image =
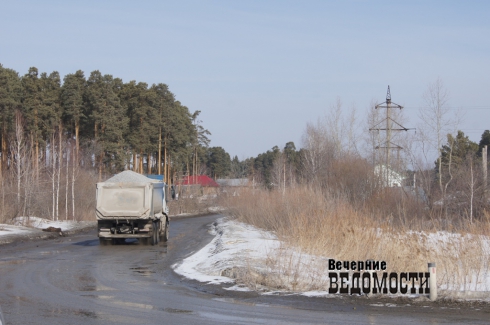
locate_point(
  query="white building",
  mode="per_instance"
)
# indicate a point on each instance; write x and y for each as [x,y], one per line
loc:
[389,176]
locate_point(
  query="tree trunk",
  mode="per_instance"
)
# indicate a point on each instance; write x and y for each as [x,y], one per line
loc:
[53,168]
[160,152]
[18,159]
[36,154]
[472,190]
[165,166]
[148,162]
[36,161]
[74,165]
[101,159]
[140,168]
[77,142]
[449,181]
[3,161]
[33,149]
[3,200]
[169,170]
[60,157]
[18,175]
[485,171]
[284,176]
[67,151]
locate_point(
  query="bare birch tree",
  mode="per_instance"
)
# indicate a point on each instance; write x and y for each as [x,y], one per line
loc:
[19,151]
[279,172]
[436,122]
[331,138]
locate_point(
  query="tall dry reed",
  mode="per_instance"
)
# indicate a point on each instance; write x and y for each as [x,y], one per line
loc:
[326,226]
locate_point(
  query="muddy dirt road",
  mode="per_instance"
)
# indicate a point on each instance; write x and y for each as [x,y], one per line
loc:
[73,280]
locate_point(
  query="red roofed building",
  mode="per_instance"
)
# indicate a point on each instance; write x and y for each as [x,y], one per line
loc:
[203,180]
[197,185]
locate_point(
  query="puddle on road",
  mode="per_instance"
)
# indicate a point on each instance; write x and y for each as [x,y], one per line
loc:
[22,298]
[78,312]
[44,253]
[142,270]
[177,311]
[91,242]
[140,305]
[85,313]
[132,304]
[90,296]
[234,301]
[232,319]
[95,287]
[87,283]
[98,296]
[88,288]
[12,262]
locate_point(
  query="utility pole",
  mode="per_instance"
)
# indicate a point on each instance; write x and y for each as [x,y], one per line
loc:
[391,125]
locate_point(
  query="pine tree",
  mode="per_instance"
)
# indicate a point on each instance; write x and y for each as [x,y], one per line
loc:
[72,93]
[10,101]
[31,107]
[109,121]
[164,101]
[485,141]
[219,162]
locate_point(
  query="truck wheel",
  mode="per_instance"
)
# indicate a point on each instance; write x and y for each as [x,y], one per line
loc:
[154,237]
[164,234]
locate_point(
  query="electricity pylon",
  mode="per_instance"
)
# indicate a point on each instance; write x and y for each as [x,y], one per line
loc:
[391,125]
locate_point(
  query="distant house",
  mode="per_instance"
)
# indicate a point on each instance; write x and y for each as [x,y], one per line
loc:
[197,185]
[203,180]
[232,182]
[232,186]
[389,176]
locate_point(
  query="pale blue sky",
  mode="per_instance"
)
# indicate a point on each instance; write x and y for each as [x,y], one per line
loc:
[260,70]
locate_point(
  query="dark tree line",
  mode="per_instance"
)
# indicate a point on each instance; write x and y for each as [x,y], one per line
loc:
[113,125]
[465,191]
[110,126]
[52,130]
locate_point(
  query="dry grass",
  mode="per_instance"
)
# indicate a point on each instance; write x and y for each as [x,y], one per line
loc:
[191,205]
[317,224]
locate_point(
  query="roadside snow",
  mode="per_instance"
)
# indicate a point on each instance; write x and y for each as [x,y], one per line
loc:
[41,223]
[235,245]
[241,251]
[12,230]
[31,228]
[238,246]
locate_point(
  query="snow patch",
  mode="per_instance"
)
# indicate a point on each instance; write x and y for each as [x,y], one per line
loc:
[237,247]
[40,223]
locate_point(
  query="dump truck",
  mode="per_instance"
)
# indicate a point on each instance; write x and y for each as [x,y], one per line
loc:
[130,205]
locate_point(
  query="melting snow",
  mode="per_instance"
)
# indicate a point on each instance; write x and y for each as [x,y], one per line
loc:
[239,245]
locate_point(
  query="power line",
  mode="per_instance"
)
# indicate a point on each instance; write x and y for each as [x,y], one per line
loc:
[450,107]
